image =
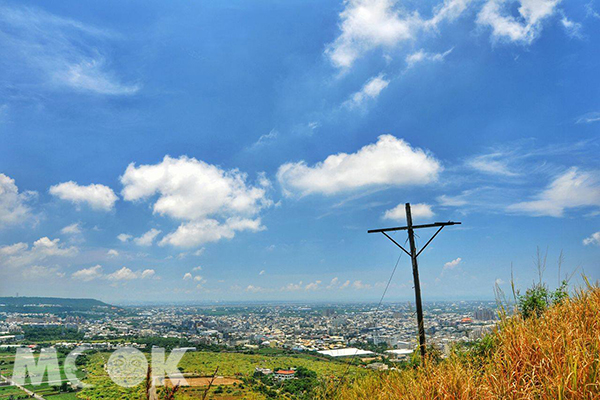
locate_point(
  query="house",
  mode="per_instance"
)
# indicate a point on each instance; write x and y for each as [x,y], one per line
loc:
[264,371]
[285,374]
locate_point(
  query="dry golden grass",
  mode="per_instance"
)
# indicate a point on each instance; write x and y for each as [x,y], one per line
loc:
[553,357]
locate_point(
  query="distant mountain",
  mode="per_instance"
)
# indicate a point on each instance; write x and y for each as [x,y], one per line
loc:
[51,304]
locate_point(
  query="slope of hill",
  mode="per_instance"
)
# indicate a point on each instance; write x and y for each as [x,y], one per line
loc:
[50,304]
[554,356]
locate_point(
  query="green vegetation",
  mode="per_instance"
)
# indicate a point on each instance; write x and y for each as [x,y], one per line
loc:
[48,334]
[51,304]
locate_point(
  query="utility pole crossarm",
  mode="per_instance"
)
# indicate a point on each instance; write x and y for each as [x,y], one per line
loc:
[403,228]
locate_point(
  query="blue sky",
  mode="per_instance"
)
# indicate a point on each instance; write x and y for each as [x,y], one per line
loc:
[203,151]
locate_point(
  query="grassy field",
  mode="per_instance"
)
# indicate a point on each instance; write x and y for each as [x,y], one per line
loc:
[553,356]
[235,365]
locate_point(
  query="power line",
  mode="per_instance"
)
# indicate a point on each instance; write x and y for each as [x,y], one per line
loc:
[376,311]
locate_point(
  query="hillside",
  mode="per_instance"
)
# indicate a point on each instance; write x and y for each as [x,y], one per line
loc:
[554,356]
[50,304]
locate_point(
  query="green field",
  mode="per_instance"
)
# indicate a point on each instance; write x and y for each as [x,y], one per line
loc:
[240,366]
[235,365]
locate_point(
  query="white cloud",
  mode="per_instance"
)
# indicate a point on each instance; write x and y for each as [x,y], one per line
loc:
[494,164]
[292,287]
[452,264]
[389,162]
[423,56]
[255,289]
[198,278]
[188,276]
[90,75]
[98,197]
[398,213]
[525,27]
[499,282]
[572,189]
[195,233]
[370,90]
[370,24]
[61,52]
[593,239]
[123,274]
[334,283]
[147,273]
[198,268]
[147,238]
[123,237]
[199,252]
[590,11]
[112,253]
[41,272]
[20,255]
[13,249]
[265,139]
[359,285]
[572,28]
[212,202]
[311,287]
[262,272]
[13,205]
[589,118]
[72,229]
[88,274]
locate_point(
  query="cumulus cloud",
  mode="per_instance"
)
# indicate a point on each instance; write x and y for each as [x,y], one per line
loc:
[370,90]
[112,253]
[13,249]
[98,197]
[195,233]
[13,205]
[213,203]
[572,189]
[522,28]
[72,229]
[43,249]
[88,274]
[398,213]
[123,274]
[255,289]
[452,264]
[147,238]
[123,237]
[147,273]
[126,274]
[593,239]
[359,285]
[316,285]
[388,162]
[188,276]
[370,24]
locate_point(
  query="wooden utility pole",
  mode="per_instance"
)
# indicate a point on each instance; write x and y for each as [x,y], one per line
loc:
[414,254]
